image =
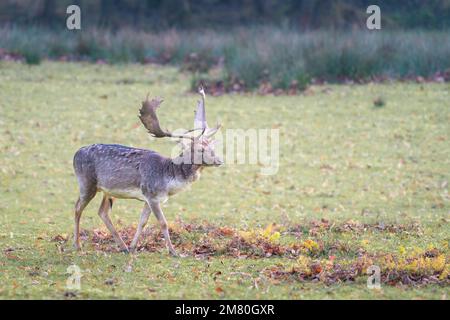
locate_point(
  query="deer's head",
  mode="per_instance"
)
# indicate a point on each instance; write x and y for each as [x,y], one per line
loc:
[197,150]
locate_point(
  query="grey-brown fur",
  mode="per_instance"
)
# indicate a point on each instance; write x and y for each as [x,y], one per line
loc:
[130,173]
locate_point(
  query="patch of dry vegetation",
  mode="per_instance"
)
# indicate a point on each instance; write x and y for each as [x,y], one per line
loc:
[310,258]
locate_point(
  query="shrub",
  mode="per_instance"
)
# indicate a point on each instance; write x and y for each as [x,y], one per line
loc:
[282,58]
[31,57]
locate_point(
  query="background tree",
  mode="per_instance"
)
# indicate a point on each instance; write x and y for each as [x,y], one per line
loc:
[159,14]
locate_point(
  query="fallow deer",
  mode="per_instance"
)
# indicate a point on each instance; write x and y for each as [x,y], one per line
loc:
[131,173]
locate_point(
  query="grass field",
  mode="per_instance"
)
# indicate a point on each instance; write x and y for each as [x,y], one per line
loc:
[357,185]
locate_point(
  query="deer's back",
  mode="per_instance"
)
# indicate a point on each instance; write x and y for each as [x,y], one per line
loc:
[113,168]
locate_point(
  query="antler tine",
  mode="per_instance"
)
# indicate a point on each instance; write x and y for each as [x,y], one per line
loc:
[200,113]
[200,117]
[150,120]
[201,91]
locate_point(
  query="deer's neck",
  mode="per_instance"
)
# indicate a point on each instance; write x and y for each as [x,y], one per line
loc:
[184,172]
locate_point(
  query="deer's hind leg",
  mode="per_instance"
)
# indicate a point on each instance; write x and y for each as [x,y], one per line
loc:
[103,212]
[86,195]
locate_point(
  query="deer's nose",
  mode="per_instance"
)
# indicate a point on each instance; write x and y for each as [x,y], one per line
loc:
[218,162]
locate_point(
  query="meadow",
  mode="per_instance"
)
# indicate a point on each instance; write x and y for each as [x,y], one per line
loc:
[363,180]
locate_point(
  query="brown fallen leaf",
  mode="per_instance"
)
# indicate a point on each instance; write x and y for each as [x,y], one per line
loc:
[219,290]
[59,238]
[70,294]
[316,268]
[225,231]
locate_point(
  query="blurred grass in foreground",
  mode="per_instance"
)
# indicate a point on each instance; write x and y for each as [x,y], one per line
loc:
[250,56]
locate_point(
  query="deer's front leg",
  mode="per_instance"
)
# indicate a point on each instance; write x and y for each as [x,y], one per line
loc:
[103,212]
[156,208]
[142,222]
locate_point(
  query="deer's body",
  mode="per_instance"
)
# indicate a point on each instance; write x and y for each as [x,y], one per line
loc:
[130,173]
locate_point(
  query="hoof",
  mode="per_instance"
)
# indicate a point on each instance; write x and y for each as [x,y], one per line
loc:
[126,251]
[173,253]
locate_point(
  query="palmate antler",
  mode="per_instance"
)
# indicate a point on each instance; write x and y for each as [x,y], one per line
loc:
[151,123]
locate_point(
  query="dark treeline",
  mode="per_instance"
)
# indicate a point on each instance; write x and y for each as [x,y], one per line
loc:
[164,14]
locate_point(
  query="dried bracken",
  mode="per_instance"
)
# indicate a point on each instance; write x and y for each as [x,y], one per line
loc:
[416,270]
[313,260]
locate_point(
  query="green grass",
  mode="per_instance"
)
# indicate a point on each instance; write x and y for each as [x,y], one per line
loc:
[341,159]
